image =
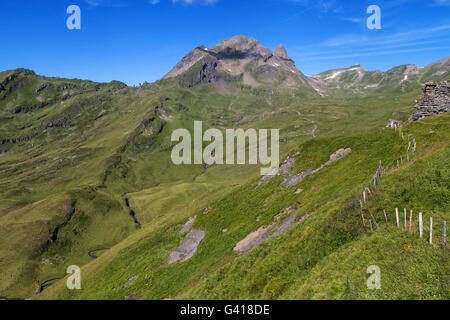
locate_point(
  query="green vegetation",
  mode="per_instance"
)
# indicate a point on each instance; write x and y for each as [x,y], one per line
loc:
[72,151]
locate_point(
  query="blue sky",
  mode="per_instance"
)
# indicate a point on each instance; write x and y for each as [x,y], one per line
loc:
[141,40]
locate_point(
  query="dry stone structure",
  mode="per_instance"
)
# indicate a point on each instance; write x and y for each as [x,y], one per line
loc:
[435,100]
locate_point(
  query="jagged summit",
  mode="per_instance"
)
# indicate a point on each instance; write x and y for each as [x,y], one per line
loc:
[280,51]
[240,57]
[242,44]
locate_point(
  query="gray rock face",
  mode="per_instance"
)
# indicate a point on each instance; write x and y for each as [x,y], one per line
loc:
[263,234]
[435,100]
[280,51]
[394,124]
[187,249]
[188,61]
[290,179]
[240,47]
[187,226]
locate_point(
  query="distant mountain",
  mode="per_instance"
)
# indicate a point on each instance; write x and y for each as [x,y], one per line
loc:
[355,80]
[243,59]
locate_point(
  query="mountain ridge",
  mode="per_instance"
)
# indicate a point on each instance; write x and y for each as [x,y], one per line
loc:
[347,80]
[244,59]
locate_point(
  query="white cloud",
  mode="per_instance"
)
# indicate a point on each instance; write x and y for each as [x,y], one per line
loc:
[442,2]
[354,19]
[369,54]
[189,2]
[105,3]
[355,45]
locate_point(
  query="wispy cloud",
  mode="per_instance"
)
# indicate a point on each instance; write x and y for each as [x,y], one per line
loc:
[191,2]
[122,3]
[442,2]
[105,3]
[354,45]
[369,54]
[322,6]
[354,19]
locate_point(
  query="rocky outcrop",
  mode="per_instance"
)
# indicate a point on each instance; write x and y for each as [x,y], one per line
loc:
[282,222]
[187,226]
[394,124]
[15,140]
[280,51]
[434,100]
[187,249]
[117,85]
[187,62]
[290,179]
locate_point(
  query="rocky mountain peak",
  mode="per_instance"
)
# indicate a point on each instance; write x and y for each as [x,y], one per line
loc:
[239,57]
[280,51]
[239,42]
[241,47]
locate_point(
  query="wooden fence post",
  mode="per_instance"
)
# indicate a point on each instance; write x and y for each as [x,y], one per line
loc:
[410,221]
[385,216]
[364,196]
[374,221]
[431,230]
[362,215]
[370,222]
[404,212]
[420,225]
[396,215]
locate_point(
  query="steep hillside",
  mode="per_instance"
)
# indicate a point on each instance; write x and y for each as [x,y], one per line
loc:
[305,238]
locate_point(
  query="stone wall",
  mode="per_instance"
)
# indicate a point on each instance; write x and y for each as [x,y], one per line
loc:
[434,100]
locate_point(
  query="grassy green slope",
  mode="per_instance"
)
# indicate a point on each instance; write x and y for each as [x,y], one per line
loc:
[78,145]
[312,259]
[103,142]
